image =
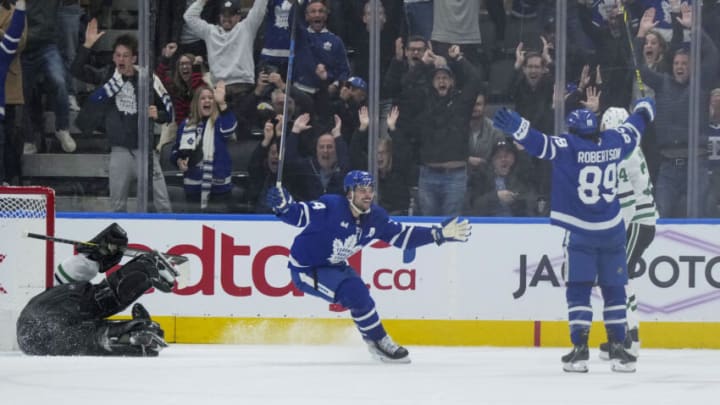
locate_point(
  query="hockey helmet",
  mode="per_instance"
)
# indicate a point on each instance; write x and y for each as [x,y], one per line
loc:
[356,178]
[613,117]
[582,122]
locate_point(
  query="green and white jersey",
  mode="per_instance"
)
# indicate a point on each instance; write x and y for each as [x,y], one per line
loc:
[635,190]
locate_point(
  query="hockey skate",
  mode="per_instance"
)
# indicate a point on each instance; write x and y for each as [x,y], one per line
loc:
[388,351]
[622,360]
[576,360]
[631,344]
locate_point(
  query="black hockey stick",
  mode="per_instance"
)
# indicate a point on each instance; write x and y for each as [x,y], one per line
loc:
[288,86]
[636,65]
[175,260]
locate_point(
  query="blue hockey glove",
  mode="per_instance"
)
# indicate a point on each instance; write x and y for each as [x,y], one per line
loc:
[279,199]
[646,107]
[452,231]
[511,123]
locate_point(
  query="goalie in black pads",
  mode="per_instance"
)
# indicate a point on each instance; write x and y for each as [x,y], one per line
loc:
[69,319]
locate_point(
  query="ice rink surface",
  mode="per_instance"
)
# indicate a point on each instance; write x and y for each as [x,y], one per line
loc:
[338,375]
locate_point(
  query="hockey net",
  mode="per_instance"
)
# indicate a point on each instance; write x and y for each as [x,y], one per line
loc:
[26,265]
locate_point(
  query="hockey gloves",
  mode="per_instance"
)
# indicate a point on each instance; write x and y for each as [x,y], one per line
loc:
[646,107]
[511,123]
[107,247]
[452,231]
[279,199]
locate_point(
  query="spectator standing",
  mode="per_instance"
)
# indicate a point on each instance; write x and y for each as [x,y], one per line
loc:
[11,138]
[201,151]
[230,49]
[114,107]
[317,46]
[41,58]
[8,49]
[444,129]
[68,27]
[457,22]
[181,82]
[419,15]
[672,97]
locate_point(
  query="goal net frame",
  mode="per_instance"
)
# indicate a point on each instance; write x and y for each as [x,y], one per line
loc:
[26,265]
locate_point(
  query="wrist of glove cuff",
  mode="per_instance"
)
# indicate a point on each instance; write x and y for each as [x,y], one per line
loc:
[438,235]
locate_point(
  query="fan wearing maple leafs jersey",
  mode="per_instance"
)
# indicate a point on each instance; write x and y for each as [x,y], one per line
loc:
[335,228]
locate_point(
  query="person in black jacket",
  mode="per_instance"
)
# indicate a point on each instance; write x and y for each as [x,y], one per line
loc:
[113,107]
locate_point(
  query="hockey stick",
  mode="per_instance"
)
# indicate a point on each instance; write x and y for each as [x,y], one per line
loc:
[638,77]
[174,263]
[288,86]
[175,260]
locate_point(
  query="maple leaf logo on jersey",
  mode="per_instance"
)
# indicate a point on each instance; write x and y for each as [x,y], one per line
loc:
[343,249]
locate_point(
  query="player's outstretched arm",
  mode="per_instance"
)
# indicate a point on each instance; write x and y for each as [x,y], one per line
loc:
[452,230]
[285,208]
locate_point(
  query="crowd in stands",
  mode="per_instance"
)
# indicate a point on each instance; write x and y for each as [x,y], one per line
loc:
[219,89]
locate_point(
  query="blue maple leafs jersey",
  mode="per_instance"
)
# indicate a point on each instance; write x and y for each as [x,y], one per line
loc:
[331,234]
[585,175]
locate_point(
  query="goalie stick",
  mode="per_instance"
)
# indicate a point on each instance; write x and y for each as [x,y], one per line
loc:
[173,260]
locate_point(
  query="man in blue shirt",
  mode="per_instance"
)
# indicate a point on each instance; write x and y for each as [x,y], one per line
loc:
[335,227]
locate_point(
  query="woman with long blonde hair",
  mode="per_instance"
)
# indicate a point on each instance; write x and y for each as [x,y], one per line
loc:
[201,151]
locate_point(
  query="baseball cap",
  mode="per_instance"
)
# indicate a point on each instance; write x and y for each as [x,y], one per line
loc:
[230,7]
[503,144]
[444,68]
[357,82]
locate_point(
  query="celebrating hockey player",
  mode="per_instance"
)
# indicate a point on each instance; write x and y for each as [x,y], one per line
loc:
[635,191]
[69,319]
[335,228]
[584,203]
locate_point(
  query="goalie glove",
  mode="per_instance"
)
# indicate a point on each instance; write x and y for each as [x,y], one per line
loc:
[107,247]
[452,231]
[279,199]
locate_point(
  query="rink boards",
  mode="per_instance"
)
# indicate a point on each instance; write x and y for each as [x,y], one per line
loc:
[504,287]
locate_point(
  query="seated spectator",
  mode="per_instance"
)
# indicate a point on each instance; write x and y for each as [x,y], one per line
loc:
[394,180]
[483,136]
[181,82]
[502,191]
[322,173]
[114,107]
[353,95]
[201,151]
[263,166]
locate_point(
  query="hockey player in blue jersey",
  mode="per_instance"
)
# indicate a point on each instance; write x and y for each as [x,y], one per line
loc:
[584,203]
[335,228]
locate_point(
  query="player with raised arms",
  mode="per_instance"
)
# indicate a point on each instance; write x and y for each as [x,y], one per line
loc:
[334,228]
[584,203]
